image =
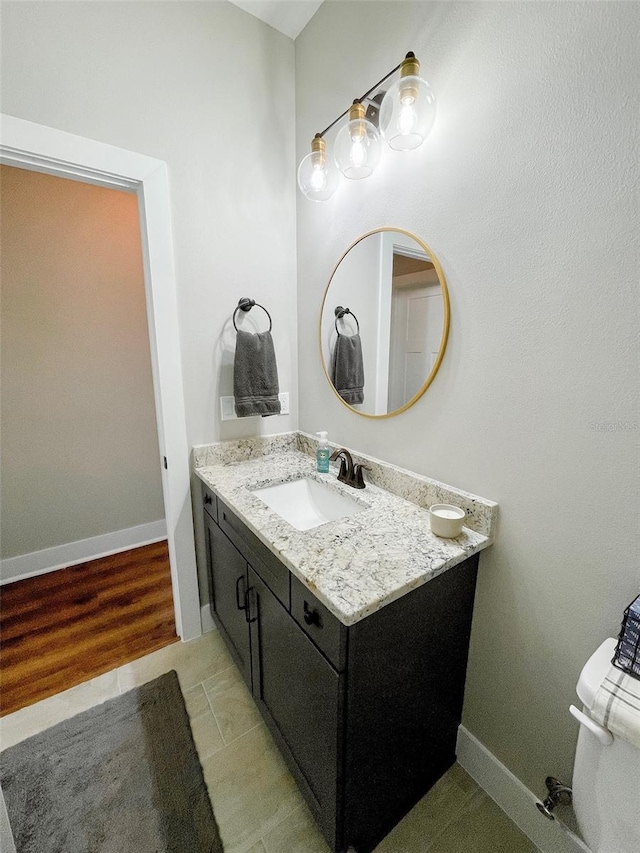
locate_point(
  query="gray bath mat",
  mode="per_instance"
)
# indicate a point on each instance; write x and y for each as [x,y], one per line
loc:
[123,777]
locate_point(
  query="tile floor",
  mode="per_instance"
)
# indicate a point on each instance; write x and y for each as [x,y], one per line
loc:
[256,802]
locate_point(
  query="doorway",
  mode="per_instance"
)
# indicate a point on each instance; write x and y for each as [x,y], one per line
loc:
[80,456]
[43,149]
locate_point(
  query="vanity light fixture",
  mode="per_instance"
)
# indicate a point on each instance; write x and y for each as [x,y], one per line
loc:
[404,119]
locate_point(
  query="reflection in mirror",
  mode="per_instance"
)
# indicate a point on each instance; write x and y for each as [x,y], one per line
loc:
[384,322]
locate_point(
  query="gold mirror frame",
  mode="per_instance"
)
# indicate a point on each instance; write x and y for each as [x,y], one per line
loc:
[445,325]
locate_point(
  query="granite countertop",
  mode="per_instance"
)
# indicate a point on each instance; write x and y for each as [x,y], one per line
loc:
[355,565]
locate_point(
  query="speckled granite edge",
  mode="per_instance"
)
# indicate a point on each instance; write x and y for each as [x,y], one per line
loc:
[240,450]
[482,514]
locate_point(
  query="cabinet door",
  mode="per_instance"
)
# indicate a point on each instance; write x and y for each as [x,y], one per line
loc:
[299,695]
[227,571]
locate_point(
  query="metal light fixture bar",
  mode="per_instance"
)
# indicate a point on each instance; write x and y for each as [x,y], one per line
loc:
[410,55]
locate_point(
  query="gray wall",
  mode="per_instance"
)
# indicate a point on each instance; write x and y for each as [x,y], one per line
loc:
[527,192]
[80,450]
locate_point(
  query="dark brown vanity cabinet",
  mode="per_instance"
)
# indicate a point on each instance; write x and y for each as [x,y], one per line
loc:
[298,694]
[366,717]
[227,594]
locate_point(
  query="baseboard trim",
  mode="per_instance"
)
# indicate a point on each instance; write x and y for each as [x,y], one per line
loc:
[514,798]
[206,619]
[63,556]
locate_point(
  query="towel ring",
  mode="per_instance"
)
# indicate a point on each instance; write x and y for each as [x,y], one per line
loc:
[246,304]
[340,312]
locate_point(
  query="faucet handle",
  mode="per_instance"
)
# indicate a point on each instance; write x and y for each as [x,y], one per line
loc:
[358,480]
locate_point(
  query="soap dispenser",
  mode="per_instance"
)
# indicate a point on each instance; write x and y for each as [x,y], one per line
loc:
[323,453]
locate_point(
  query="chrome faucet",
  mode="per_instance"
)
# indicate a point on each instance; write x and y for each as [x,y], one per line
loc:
[350,472]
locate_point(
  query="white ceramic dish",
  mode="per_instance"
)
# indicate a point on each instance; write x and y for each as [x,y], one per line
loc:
[446,520]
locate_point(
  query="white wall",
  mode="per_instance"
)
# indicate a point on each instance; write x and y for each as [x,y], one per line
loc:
[527,192]
[80,453]
[209,89]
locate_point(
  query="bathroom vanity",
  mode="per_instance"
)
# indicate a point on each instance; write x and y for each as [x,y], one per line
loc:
[355,659]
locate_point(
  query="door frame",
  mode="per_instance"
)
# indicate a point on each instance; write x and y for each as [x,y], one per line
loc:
[28,145]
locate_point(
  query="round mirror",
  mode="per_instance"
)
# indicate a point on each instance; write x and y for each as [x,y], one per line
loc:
[384,322]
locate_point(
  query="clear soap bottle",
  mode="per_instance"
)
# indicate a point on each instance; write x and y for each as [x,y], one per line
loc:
[323,453]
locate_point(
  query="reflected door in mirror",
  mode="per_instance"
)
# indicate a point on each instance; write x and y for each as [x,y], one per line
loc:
[417,317]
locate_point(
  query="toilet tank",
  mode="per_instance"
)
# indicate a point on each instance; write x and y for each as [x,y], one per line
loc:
[606,778]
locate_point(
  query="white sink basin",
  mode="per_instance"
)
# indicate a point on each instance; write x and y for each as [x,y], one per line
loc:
[306,503]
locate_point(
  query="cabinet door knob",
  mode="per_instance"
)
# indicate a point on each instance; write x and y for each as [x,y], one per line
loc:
[208,499]
[311,617]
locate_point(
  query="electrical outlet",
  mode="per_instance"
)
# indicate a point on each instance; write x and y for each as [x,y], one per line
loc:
[228,406]
[284,402]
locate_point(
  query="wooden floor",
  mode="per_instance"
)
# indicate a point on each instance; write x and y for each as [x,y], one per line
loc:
[60,629]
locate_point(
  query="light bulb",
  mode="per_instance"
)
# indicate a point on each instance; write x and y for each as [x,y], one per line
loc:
[357,146]
[317,177]
[357,155]
[408,119]
[408,109]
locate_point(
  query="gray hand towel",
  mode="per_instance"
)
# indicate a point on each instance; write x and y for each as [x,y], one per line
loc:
[347,372]
[255,375]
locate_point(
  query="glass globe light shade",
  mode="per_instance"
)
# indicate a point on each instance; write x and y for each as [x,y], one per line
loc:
[407,113]
[317,177]
[357,146]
